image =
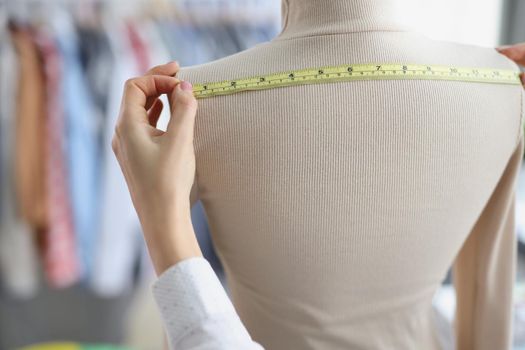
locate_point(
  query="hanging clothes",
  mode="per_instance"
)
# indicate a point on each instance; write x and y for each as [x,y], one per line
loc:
[60,260]
[68,191]
[181,39]
[97,64]
[18,254]
[82,130]
[118,241]
[29,158]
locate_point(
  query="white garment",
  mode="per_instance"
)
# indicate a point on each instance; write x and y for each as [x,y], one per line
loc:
[196,311]
[119,238]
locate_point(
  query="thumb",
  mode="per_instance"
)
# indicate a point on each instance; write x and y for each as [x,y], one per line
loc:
[515,52]
[502,47]
[183,110]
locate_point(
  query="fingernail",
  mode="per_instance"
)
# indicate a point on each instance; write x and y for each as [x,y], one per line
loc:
[186,86]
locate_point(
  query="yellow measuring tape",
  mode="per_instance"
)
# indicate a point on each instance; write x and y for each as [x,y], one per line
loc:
[350,72]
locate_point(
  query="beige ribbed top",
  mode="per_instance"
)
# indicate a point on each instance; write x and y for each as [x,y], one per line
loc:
[338,208]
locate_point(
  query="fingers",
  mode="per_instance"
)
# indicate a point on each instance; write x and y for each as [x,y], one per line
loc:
[183,111]
[138,90]
[170,69]
[154,112]
[514,52]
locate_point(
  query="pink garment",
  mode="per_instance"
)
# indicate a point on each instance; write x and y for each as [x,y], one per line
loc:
[60,261]
[139,47]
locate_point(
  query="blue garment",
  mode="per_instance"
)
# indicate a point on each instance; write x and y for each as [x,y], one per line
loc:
[83,149]
[97,63]
[119,231]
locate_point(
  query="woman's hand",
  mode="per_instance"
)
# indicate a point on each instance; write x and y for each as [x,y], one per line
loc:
[516,53]
[158,166]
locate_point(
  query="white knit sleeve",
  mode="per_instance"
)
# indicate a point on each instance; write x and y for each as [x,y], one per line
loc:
[196,311]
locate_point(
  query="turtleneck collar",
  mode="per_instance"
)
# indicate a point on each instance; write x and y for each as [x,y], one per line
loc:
[301,18]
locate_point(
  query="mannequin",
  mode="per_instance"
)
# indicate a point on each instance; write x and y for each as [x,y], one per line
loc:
[337,209]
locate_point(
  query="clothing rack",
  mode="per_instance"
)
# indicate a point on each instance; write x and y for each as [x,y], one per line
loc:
[191,11]
[98,45]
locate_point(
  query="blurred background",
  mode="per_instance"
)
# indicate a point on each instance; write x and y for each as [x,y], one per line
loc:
[73,264]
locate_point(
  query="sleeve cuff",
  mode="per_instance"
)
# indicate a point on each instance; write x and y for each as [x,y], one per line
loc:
[188,293]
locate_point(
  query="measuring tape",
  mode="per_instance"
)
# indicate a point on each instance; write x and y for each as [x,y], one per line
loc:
[350,72]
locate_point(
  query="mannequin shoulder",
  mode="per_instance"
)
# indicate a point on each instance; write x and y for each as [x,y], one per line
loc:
[225,68]
[474,55]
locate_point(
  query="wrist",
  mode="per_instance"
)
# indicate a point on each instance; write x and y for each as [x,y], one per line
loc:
[164,256]
[169,235]
[157,219]
[172,246]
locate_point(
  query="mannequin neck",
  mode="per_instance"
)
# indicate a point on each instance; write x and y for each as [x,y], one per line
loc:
[302,18]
